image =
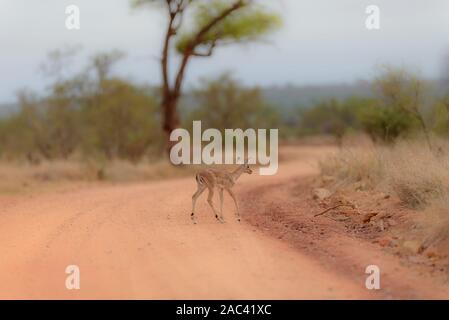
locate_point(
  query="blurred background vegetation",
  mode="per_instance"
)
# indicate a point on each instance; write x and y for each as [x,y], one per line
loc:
[94,115]
[90,114]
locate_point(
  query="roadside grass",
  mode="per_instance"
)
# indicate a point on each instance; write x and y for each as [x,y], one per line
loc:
[409,170]
[19,177]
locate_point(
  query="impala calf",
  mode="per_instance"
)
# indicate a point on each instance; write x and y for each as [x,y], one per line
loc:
[212,179]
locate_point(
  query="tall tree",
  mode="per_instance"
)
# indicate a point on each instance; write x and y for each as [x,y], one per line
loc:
[215,23]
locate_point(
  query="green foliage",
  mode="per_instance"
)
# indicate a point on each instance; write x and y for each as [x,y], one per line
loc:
[21,134]
[61,118]
[397,88]
[141,3]
[333,117]
[97,116]
[225,103]
[398,111]
[386,124]
[249,24]
[120,121]
[400,107]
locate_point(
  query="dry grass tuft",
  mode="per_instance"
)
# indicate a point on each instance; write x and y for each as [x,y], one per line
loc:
[435,222]
[417,175]
[409,170]
[355,165]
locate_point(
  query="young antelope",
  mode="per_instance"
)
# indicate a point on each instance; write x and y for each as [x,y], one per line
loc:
[212,179]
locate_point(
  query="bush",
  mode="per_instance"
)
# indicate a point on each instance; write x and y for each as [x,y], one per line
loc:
[386,124]
[98,116]
[120,122]
[399,109]
[333,117]
[224,103]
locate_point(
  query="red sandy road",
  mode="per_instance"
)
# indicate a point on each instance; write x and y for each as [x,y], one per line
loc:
[137,241]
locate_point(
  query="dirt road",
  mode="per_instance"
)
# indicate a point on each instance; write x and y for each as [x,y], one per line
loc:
[137,241]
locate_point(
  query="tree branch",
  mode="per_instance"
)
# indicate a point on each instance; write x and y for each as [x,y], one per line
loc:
[175,10]
[190,50]
[165,49]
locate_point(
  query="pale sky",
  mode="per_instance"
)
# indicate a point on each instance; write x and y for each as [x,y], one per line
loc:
[321,41]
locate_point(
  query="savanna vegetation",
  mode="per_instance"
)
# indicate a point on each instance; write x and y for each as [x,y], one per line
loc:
[93,114]
[90,114]
[402,106]
[406,156]
[94,125]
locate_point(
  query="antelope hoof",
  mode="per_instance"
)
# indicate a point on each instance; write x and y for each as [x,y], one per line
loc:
[193,218]
[221,220]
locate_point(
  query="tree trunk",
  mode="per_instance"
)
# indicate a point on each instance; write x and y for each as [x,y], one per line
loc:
[170,118]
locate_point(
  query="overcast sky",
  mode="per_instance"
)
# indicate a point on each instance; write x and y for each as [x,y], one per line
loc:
[322,41]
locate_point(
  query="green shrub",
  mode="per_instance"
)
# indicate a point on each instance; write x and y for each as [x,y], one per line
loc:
[333,117]
[386,124]
[224,103]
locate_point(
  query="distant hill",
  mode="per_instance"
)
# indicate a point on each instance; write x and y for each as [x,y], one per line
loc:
[291,96]
[287,97]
